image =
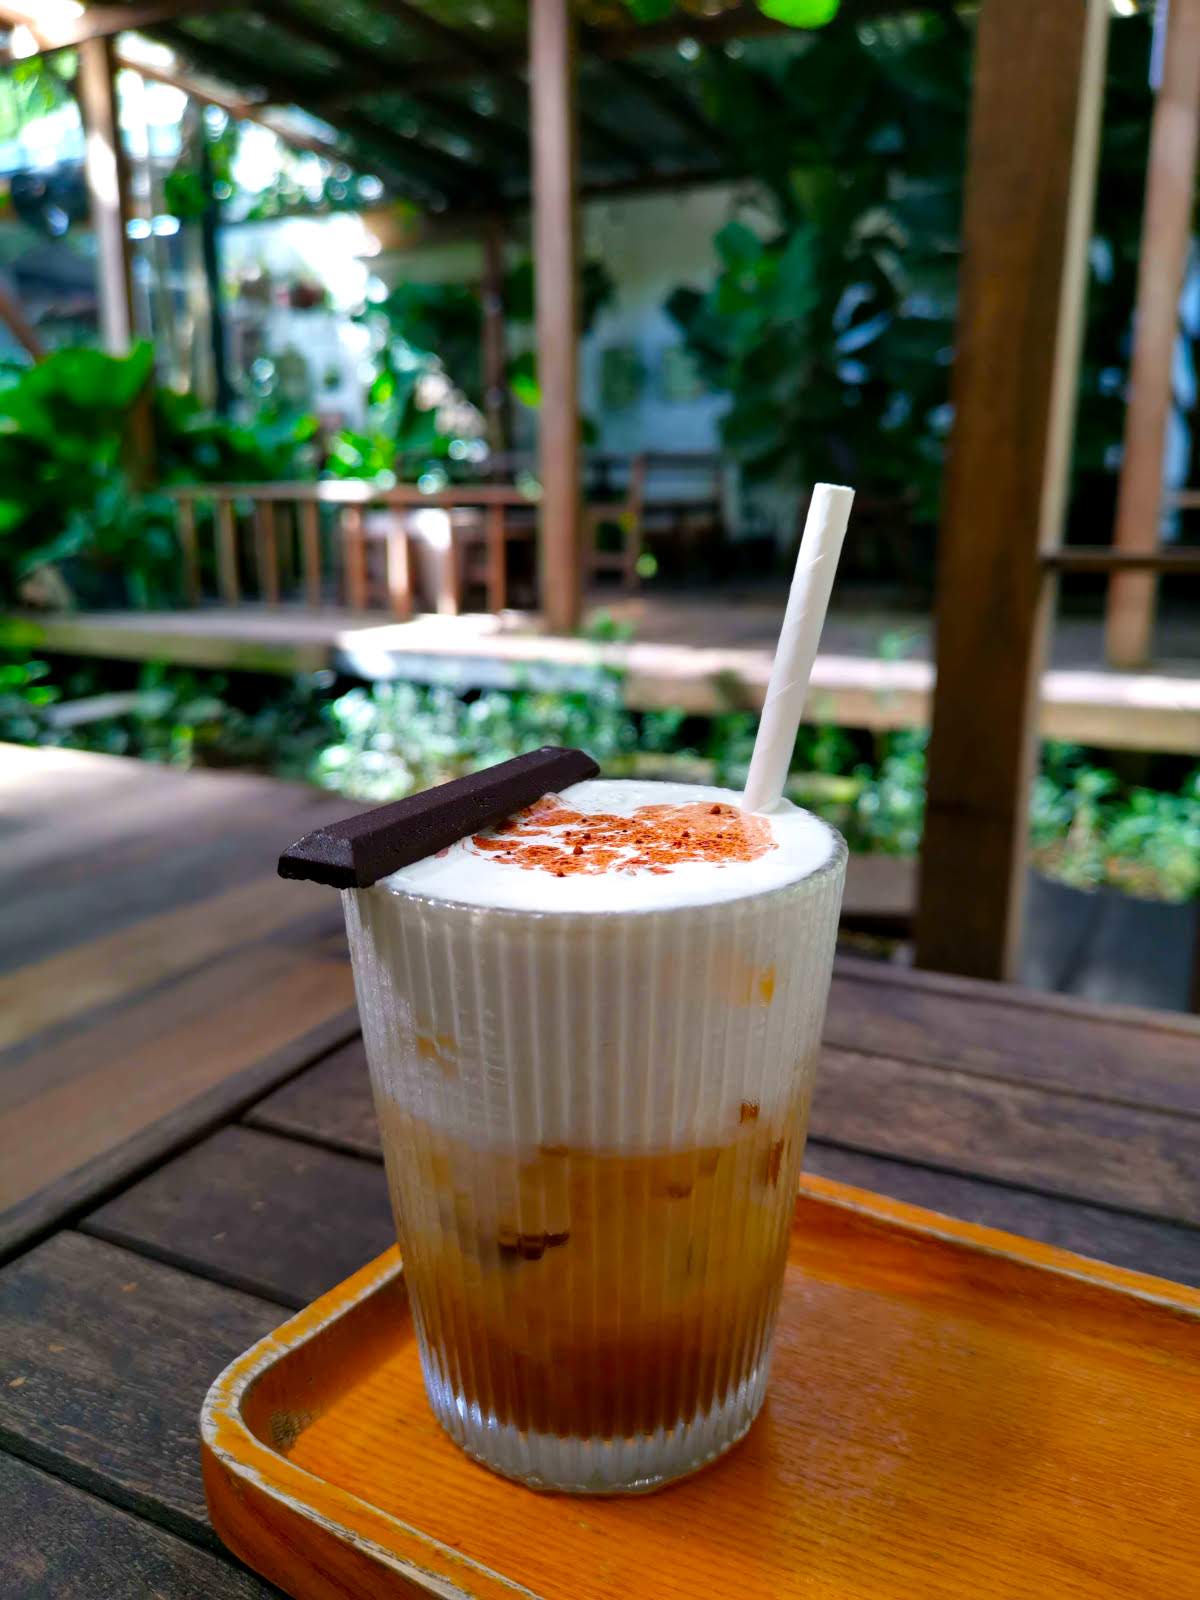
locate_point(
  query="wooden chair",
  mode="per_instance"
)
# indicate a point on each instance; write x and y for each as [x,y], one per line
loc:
[626,516]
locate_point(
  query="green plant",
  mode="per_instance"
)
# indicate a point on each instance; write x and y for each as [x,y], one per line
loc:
[426,399]
[830,321]
[196,446]
[64,425]
[830,327]
[1089,831]
[123,544]
[395,738]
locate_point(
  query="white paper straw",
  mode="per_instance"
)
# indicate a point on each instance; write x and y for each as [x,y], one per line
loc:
[808,601]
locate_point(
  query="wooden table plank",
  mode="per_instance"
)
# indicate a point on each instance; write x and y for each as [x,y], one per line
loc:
[102,970]
[159,972]
[93,852]
[274,1216]
[63,1544]
[1118,1053]
[226,1099]
[1060,1144]
[1161,1248]
[1119,1156]
[133,1080]
[331,1104]
[105,1357]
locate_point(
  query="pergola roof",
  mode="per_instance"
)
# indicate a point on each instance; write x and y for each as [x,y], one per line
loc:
[433,97]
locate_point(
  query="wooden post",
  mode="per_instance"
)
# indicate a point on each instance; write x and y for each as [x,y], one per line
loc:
[497,558]
[107,173]
[556,276]
[310,542]
[227,556]
[354,558]
[494,351]
[266,550]
[185,511]
[1166,234]
[1039,73]
[399,581]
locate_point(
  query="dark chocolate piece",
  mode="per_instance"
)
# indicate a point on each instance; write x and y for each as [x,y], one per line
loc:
[363,849]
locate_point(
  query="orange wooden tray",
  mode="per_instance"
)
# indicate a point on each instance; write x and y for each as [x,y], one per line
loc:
[953,1412]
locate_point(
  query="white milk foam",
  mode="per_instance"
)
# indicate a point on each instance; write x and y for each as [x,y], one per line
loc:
[471,876]
[490,1016]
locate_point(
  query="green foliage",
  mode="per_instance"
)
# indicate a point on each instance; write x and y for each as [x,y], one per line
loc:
[795,13]
[123,545]
[1089,831]
[382,742]
[196,446]
[800,13]
[62,428]
[427,400]
[831,329]
[33,88]
[830,323]
[65,501]
[397,738]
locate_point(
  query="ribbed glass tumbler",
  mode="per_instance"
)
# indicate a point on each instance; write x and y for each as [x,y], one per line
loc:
[593,1126]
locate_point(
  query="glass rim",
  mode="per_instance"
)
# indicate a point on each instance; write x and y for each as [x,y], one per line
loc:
[802,886]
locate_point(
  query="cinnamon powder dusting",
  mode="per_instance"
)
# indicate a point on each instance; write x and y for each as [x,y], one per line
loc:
[550,837]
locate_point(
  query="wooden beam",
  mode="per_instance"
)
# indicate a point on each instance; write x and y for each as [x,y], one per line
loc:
[375,71]
[556,280]
[407,159]
[1103,558]
[403,78]
[670,100]
[1166,238]
[494,354]
[59,32]
[240,110]
[107,172]
[1039,71]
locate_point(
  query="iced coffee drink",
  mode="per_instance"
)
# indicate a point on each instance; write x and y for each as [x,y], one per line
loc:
[592,1032]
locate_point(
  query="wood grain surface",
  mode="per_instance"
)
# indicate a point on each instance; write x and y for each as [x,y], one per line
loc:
[63,1544]
[273,1216]
[157,960]
[955,1101]
[155,988]
[953,1413]
[104,1359]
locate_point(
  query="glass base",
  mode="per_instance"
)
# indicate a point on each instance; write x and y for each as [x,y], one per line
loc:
[635,1465]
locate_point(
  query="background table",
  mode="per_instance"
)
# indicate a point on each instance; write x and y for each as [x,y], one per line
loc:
[129,1283]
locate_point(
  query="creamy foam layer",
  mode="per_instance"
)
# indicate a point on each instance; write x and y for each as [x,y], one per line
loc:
[612,845]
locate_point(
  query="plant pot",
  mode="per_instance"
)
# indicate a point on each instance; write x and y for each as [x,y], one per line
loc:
[1104,945]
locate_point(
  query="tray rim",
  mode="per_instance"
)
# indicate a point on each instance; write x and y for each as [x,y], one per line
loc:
[232,1456]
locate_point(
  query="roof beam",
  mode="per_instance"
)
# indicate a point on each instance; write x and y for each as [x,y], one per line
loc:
[438,174]
[468,58]
[100,22]
[373,72]
[669,99]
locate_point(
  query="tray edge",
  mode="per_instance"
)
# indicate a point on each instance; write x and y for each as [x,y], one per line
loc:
[239,1468]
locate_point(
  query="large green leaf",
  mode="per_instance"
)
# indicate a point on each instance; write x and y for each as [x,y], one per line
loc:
[737,245]
[800,13]
[650,10]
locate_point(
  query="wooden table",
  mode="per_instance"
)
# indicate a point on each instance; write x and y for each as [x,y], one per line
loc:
[123,1292]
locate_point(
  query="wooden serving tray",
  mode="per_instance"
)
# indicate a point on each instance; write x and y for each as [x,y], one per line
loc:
[953,1412]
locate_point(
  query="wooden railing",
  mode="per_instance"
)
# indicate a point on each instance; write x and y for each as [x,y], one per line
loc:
[275,532]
